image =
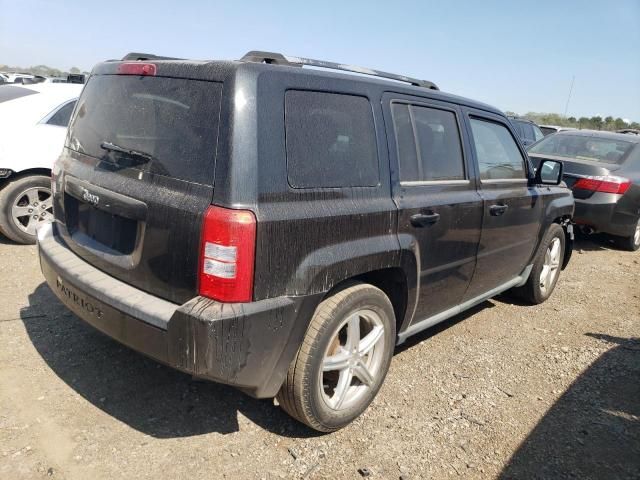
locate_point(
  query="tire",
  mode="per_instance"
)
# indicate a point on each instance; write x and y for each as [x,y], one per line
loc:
[631,243]
[536,290]
[319,399]
[20,196]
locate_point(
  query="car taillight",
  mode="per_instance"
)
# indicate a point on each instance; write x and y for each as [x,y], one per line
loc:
[136,68]
[605,184]
[227,254]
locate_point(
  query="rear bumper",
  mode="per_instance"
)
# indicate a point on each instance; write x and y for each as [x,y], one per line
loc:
[604,213]
[246,345]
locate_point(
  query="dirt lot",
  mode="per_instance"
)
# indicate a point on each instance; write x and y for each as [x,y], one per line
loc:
[506,390]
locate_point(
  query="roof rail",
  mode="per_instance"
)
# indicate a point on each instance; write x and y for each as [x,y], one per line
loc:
[146,56]
[280,59]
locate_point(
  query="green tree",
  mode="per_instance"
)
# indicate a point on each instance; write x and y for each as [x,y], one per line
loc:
[572,120]
[74,70]
[619,123]
[596,122]
[608,123]
[583,122]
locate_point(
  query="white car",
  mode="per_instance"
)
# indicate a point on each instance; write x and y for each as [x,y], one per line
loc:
[549,129]
[15,77]
[33,126]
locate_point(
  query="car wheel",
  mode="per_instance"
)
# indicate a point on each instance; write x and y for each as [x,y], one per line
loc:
[343,359]
[24,203]
[631,243]
[546,269]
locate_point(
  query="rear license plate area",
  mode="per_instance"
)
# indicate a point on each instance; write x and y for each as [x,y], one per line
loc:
[113,231]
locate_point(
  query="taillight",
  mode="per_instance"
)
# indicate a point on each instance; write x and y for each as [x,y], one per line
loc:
[227,254]
[605,184]
[137,68]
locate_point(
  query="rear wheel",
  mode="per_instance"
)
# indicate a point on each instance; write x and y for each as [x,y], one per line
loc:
[631,243]
[24,203]
[343,359]
[546,267]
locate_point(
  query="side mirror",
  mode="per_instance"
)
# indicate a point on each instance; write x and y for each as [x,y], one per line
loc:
[549,172]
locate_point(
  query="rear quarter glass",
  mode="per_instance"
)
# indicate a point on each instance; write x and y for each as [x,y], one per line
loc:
[330,140]
[174,120]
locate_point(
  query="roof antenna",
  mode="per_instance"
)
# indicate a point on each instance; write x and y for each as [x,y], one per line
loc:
[566,107]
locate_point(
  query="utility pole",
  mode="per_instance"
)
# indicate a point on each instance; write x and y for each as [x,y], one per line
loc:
[566,107]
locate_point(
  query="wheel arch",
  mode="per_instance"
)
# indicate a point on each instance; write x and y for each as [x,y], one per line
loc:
[25,173]
[565,222]
[392,281]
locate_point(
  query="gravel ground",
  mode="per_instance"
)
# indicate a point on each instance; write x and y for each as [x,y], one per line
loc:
[503,391]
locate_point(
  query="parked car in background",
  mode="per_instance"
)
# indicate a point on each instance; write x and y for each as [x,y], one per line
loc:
[33,121]
[281,229]
[54,80]
[527,130]
[549,129]
[79,78]
[629,131]
[603,170]
[17,77]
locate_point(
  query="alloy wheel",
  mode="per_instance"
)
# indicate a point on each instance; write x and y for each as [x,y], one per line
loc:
[353,361]
[551,266]
[30,207]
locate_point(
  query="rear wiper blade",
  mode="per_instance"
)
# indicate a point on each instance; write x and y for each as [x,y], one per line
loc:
[112,147]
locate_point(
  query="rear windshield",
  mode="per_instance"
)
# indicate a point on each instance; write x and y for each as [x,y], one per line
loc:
[548,130]
[605,150]
[9,92]
[174,121]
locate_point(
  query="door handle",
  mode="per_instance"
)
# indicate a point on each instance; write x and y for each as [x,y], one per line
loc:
[497,210]
[420,220]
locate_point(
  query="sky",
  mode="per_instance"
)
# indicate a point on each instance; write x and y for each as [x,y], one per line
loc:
[518,56]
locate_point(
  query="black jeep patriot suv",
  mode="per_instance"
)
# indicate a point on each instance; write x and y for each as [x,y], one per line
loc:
[281,229]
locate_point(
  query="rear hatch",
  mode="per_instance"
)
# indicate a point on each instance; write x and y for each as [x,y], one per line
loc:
[136,177]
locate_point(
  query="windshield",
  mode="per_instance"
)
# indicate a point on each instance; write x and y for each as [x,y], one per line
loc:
[596,149]
[173,121]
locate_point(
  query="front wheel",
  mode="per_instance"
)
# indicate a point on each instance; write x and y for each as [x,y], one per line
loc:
[546,267]
[343,359]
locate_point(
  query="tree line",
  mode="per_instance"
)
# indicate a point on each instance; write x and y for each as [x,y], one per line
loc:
[592,123]
[42,70]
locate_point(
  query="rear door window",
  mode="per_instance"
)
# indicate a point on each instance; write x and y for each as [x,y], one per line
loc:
[62,116]
[428,142]
[330,140]
[527,131]
[498,155]
[171,119]
[537,133]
